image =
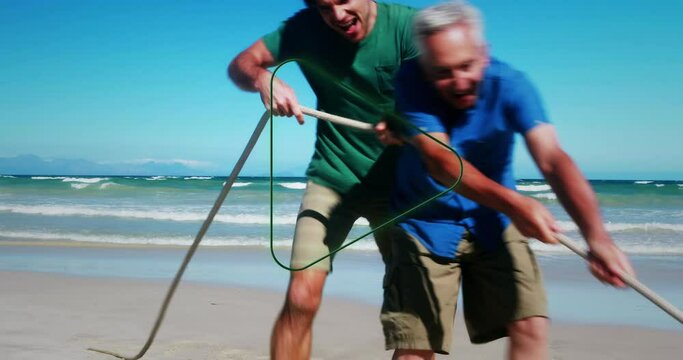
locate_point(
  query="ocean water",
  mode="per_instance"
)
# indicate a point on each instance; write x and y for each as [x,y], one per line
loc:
[644,217]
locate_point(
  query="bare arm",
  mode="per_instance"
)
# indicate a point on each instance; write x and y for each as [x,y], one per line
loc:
[572,189]
[249,71]
[578,198]
[530,216]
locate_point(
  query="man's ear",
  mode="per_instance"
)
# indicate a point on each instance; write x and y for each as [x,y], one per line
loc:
[485,53]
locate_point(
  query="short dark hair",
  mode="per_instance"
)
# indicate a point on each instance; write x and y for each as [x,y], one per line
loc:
[310,3]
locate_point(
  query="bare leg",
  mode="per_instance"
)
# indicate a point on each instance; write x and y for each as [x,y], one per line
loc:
[403,354]
[529,339]
[292,334]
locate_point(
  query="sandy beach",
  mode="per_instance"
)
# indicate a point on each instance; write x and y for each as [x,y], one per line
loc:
[55,316]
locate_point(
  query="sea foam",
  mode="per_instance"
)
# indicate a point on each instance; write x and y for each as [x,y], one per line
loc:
[547,196]
[84,180]
[168,214]
[263,241]
[633,249]
[620,227]
[108,184]
[48,177]
[534,188]
[152,214]
[145,240]
[293,185]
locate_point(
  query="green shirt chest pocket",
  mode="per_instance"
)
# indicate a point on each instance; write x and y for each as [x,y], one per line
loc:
[385,81]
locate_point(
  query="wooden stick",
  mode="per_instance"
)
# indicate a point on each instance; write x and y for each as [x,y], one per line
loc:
[200,235]
[626,278]
[337,119]
[629,280]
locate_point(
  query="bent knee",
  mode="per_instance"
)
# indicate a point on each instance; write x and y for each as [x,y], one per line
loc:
[405,354]
[305,292]
[533,329]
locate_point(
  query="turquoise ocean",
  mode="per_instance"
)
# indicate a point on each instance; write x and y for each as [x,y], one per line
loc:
[644,217]
[160,215]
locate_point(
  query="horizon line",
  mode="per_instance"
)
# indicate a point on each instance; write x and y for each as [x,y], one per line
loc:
[285,176]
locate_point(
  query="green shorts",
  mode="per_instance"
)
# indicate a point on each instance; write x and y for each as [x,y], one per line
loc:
[326,217]
[421,291]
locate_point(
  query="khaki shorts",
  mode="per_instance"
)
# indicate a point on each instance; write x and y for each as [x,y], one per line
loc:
[325,219]
[421,291]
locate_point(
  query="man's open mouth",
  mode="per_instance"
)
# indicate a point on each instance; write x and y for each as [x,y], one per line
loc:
[348,26]
[465,93]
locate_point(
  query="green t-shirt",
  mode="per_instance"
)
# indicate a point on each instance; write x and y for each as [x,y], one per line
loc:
[350,80]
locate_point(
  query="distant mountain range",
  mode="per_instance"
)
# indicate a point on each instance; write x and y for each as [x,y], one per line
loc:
[35,165]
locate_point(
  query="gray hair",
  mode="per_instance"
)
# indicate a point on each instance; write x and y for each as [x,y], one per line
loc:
[438,17]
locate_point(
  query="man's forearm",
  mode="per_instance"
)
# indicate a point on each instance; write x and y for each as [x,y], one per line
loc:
[246,73]
[531,217]
[474,185]
[576,195]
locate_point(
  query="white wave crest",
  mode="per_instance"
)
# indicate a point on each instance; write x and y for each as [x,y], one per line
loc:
[652,250]
[198,178]
[643,182]
[293,185]
[530,188]
[621,227]
[547,196]
[108,184]
[7,176]
[363,245]
[264,241]
[237,184]
[144,240]
[256,219]
[659,185]
[632,249]
[289,218]
[84,180]
[644,226]
[155,214]
[156,178]
[80,185]
[48,177]
[161,215]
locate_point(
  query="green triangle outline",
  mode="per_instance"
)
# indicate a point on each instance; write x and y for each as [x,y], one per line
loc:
[389,222]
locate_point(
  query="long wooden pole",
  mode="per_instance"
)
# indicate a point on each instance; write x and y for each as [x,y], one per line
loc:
[629,280]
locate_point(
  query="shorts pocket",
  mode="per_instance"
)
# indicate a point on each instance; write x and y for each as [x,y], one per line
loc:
[392,294]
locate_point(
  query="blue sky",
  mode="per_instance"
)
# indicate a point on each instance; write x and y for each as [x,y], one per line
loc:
[133,81]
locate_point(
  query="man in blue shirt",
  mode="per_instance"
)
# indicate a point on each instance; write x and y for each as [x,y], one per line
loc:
[459,95]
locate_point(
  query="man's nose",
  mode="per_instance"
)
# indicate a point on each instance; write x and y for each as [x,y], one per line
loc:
[461,83]
[338,12]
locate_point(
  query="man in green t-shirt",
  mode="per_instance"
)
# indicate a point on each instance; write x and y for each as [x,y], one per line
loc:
[348,51]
